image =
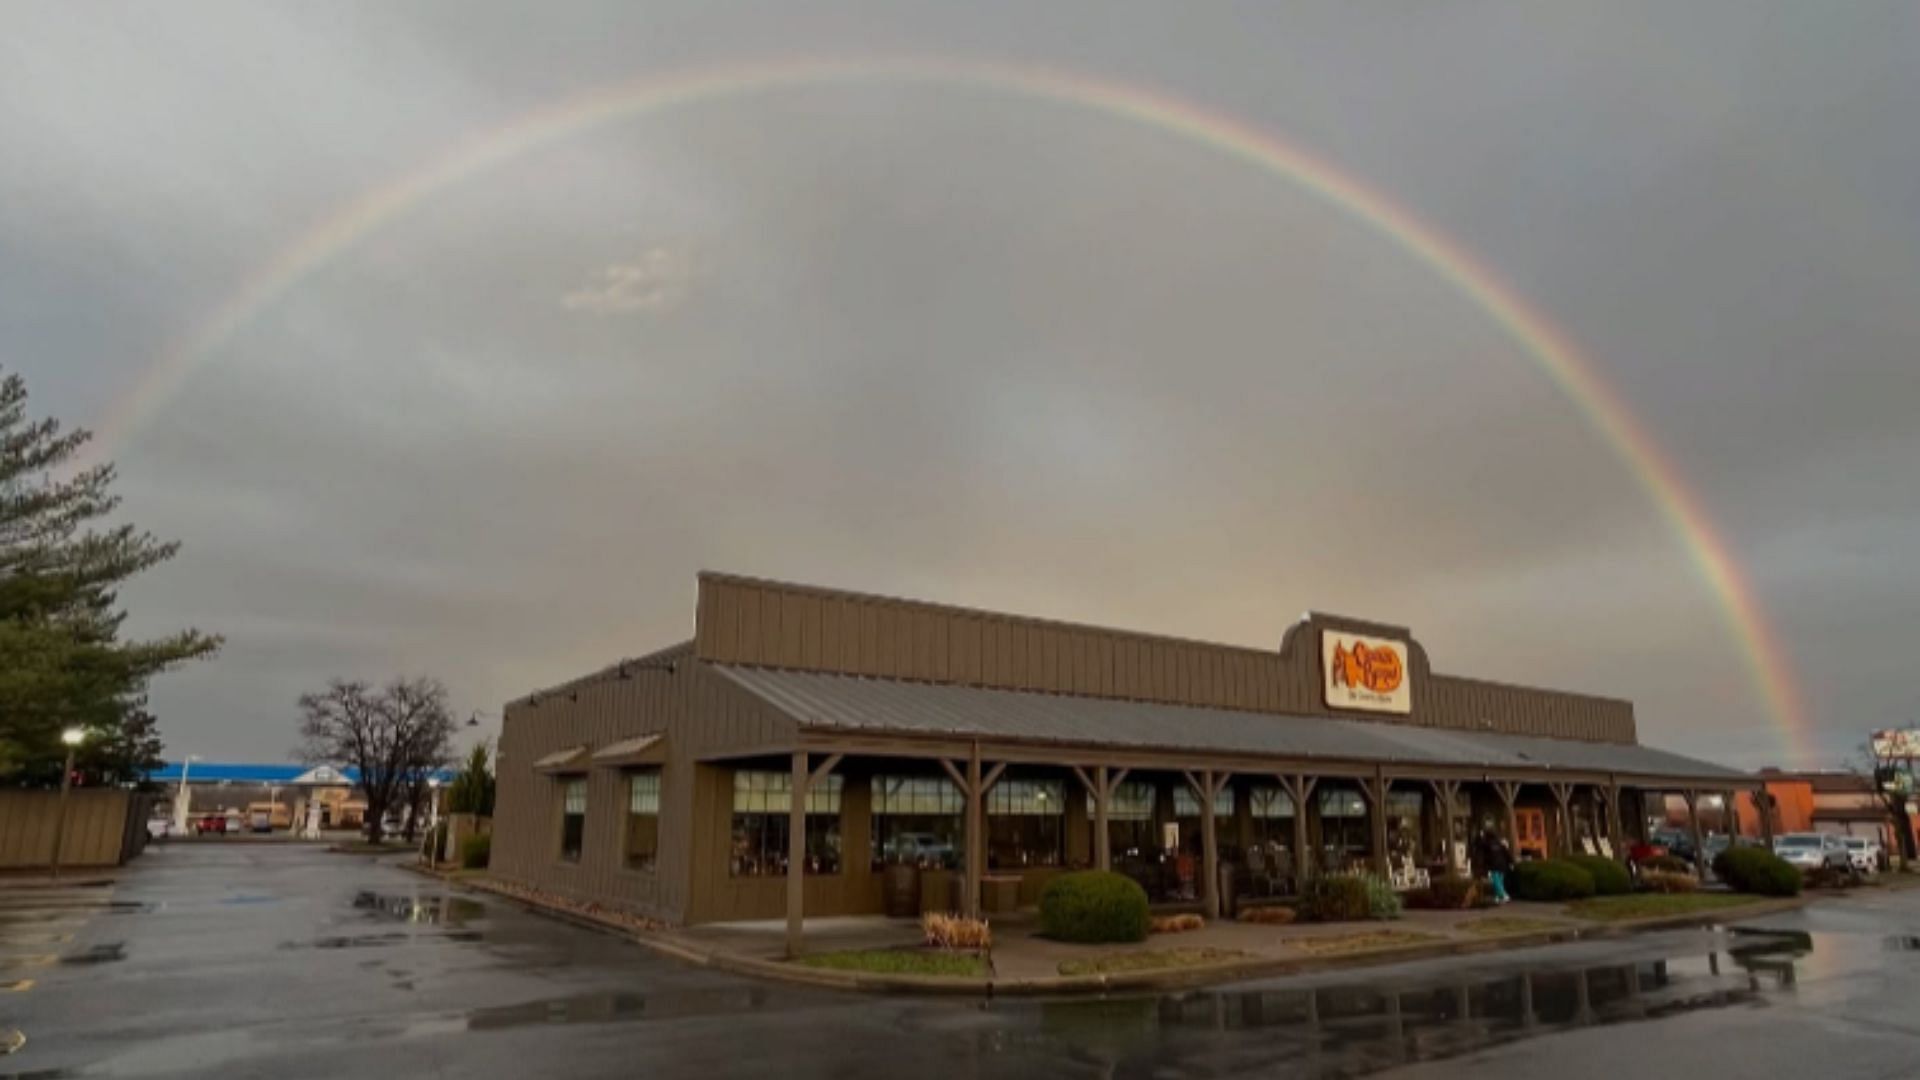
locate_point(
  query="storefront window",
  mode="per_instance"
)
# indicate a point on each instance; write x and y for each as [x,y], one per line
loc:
[1343,828]
[643,818]
[573,819]
[1186,814]
[1025,824]
[761,804]
[1130,831]
[1272,812]
[917,820]
[1404,835]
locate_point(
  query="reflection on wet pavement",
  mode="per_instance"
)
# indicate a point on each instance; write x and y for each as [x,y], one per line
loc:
[451,910]
[1355,1029]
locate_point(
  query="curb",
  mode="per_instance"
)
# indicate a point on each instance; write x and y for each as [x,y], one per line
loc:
[1174,979]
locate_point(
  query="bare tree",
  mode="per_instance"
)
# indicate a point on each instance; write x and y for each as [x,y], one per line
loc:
[1889,770]
[395,737]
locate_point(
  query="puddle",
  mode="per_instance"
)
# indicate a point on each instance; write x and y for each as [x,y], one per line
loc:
[1904,943]
[99,954]
[447,910]
[1353,1029]
[375,941]
[607,1007]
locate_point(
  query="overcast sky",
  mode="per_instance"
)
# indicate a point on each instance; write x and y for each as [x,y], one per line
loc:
[947,342]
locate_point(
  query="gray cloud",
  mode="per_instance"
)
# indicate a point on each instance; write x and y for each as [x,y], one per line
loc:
[946,342]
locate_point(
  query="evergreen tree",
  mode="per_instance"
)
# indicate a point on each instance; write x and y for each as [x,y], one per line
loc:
[472,790]
[62,662]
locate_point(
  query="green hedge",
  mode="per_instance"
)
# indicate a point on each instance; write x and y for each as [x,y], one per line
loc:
[1757,870]
[1335,898]
[1550,880]
[1667,864]
[475,852]
[1451,892]
[1609,877]
[1093,906]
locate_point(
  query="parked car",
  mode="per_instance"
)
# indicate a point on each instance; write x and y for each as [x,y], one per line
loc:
[159,828]
[210,823]
[1677,844]
[1811,851]
[1864,852]
[920,849]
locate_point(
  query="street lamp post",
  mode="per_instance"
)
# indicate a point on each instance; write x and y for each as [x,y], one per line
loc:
[72,737]
[182,795]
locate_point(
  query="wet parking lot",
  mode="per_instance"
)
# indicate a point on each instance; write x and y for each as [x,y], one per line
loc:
[243,960]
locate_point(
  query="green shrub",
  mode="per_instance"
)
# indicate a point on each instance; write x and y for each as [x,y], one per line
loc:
[1667,864]
[1665,881]
[1094,906]
[1758,871]
[1609,877]
[475,852]
[1382,901]
[1550,880]
[1336,898]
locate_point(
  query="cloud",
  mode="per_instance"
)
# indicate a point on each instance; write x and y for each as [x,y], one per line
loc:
[656,281]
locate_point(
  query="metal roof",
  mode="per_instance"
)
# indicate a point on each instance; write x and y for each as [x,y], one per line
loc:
[855,703]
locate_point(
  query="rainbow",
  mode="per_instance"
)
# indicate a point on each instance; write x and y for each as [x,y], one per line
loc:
[1550,350]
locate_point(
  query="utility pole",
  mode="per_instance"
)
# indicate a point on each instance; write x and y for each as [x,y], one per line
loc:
[73,737]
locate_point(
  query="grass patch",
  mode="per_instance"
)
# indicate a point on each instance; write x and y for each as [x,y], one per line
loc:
[1148,960]
[899,962]
[1500,925]
[1649,905]
[1362,941]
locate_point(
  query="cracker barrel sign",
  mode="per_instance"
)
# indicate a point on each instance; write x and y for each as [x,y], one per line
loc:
[1367,673]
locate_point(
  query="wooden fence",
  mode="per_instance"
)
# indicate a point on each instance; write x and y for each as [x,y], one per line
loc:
[104,828]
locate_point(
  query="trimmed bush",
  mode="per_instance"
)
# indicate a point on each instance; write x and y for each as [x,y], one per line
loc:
[1667,864]
[955,931]
[1382,901]
[1094,907]
[1550,880]
[1175,924]
[1609,877]
[1758,871]
[475,852]
[1335,898]
[1663,881]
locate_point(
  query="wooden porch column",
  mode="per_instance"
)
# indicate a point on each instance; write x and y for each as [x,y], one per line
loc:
[801,785]
[1375,788]
[1446,791]
[1616,835]
[975,787]
[1207,786]
[1763,805]
[1692,797]
[1101,785]
[1509,790]
[796,851]
[1563,794]
[1299,788]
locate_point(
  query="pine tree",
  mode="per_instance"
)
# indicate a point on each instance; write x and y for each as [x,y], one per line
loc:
[62,662]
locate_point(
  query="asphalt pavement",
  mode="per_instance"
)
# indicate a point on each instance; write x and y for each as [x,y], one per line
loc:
[284,961]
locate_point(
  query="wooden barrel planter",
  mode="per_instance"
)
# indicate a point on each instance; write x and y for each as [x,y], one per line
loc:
[900,891]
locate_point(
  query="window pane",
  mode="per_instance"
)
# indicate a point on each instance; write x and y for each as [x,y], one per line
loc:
[643,792]
[1044,798]
[917,820]
[1341,803]
[1271,802]
[1187,805]
[576,797]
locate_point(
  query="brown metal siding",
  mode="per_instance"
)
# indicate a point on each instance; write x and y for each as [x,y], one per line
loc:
[773,624]
[698,712]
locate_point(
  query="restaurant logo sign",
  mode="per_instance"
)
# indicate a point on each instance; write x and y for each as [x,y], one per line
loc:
[1366,673]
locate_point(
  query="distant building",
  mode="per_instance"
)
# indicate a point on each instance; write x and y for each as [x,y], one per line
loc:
[280,791]
[1842,803]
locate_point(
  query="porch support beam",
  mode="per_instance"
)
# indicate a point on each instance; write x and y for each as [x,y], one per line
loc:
[1101,785]
[1375,788]
[1563,795]
[1692,798]
[974,785]
[1208,785]
[797,851]
[1446,791]
[1616,835]
[1299,788]
[1509,790]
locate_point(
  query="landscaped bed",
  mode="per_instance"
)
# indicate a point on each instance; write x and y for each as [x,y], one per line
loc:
[900,962]
[1148,960]
[1652,905]
[1501,925]
[1362,941]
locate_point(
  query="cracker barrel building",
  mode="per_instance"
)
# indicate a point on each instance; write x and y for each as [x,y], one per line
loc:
[818,752]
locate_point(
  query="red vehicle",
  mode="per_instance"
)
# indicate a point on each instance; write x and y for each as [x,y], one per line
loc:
[210,823]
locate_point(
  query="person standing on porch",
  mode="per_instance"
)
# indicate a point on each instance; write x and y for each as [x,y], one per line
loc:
[1497,858]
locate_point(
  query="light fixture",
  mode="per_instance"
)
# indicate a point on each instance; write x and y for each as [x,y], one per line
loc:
[74,736]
